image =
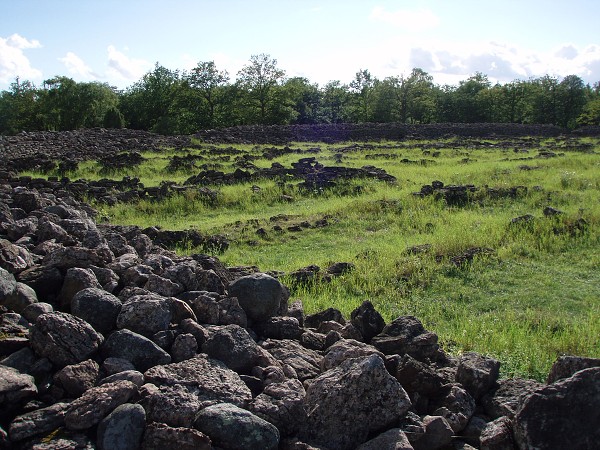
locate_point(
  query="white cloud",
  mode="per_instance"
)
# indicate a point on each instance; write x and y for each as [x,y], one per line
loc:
[76,66]
[121,66]
[408,19]
[13,62]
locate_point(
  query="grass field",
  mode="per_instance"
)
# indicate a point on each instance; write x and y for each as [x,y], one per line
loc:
[530,294]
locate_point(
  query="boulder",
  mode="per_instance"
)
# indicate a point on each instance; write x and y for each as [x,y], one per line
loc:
[347,403]
[438,434]
[367,320]
[419,377]
[184,347]
[16,389]
[139,350]
[173,405]
[20,298]
[231,427]
[77,378]
[76,280]
[279,328]
[122,429]
[346,349]
[145,314]
[35,310]
[505,398]
[64,339]
[564,414]
[455,404]
[14,258]
[97,307]
[8,284]
[497,435]
[260,295]
[393,439]
[233,345]
[282,404]
[134,376]
[477,373]
[305,362]
[38,422]
[565,366]
[329,314]
[76,256]
[406,335]
[159,436]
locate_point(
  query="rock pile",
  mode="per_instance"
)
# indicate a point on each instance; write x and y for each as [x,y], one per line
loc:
[109,341]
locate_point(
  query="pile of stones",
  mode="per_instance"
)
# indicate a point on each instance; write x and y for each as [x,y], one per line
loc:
[110,341]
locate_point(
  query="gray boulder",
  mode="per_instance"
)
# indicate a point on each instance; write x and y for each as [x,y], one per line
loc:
[346,349]
[456,405]
[497,435]
[327,315]
[406,335]
[14,258]
[209,379]
[393,439]
[159,436]
[282,404]
[8,284]
[97,307]
[306,363]
[419,377]
[565,366]
[173,405]
[477,373]
[130,375]
[38,422]
[64,339]
[279,328]
[505,398]
[564,414]
[96,403]
[438,434]
[350,401]
[145,314]
[233,345]
[139,350]
[83,257]
[260,295]
[15,390]
[231,427]
[77,378]
[163,286]
[76,280]
[35,310]
[20,298]
[184,347]
[122,429]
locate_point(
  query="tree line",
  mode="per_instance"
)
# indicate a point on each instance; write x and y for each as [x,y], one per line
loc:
[183,102]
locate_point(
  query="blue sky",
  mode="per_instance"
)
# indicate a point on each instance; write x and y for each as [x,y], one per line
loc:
[118,41]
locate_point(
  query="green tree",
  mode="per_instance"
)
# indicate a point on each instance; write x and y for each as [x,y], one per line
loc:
[334,101]
[361,89]
[590,114]
[259,80]
[469,99]
[304,98]
[210,83]
[572,97]
[20,108]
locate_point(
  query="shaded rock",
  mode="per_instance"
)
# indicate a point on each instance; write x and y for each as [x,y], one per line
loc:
[438,434]
[305,362]
[38,422]
[122,429]
[16,389]
[565,366]
[231,427]
[97,307]
[76,280]
[172,405]
[77,378]
[14,258]
[346,349]
[314,320]
[209,379]
[393,439]
[145,314]
[35,310]
[260,295]
[477,373]
[233,345]
[64,339]
[159,436]
[564,414]
[45,281]
[282,404]
[96,403]
[406,334]
[204,305]
[20,298]
[367,320]
[497,435]
[416,376]
[134,376]
[230,312]
[139,350]
[504,399]
[112,365]
[472,431]
[81,257]
[21,360]
[350,401]
[180,310]
[163,286]
[184,347]
[195,329]
[8,284]
[313,340]
[456,405]
[279,328]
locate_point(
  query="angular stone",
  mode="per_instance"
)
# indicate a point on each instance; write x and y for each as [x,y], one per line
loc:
[64,339]
[456,405]
[232,427]
[565,366]
[406,335]
[564,414]
[305,362]
[8,284]
[416,376]
[14,258]
[159,436]
[329,314]
[346,349]
[233,345]
[209,379]
[477,373]
[260,295]
[367,320]
[280,328]
[97,307]
[393,439]
[438,434]
[38,422]
[145,314]
[20,298]
[122,429]
[134,376]
[350,401]
[139,350]
[184,347]
[172,405]
[78,378]
[15,390]
[507,396]
[282,404]
[497,435]
[96,403]
[68,257]
[76,280]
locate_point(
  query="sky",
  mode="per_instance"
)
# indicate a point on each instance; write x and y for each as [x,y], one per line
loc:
[118,41]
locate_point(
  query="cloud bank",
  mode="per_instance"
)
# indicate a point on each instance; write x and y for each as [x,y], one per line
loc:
[13,62]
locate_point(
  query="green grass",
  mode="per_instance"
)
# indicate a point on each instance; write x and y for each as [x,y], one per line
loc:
[534,297]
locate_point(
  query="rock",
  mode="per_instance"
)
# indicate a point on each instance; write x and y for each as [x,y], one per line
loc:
[8,284]
[195,329]
[305,362]
[162,286]
[122,429]
[279,328]
[20,298]
[45,281]
[231,313]
[184,347]
[134,376]
[38,422]
[566,366]
[260,295]
[393,439]
[282,404]
[313,340]
[346,349]
[80,257]
[145,314]
[563,414]
[209,379]
[497,435]
[64,339]
[472,432]
[172,405]
[367,320]
[97,307]
[28,200]
[419,377]
[78,378]
[139,350]
[507,396]
[205,306]
[339,420]
[314,320]
[47,230]
[76,280]
[233,345]
[231,427]
[14,258]
[22,360]
[96,403]
[438,434]
[456,405]
[113,365]
[477,373]
[406,335]
[35,310]
[159,436]
[180,310]
[16,389]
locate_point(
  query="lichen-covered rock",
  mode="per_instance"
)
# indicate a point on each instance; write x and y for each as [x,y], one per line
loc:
[122,429]
[96,403]
[393,439]
[209,379]
[565,366]
[38,422]
[139,350]
[564,414]
[231,427]
[172,405]
[159,436]
[97,307]
[477,373]
[406,335]
[260,295]
[282,404]
[64,339]
[77,378]
[145,314]
[15,390]
[233,345]
[306,363]
[350,401]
